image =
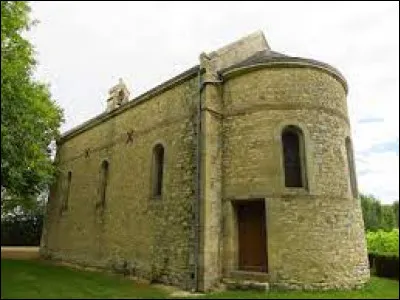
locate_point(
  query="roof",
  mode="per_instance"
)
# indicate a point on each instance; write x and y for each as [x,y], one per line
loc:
[247,52]
[272,57]
[133,102]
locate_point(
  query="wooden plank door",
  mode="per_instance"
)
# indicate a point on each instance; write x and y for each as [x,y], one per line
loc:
[252,236]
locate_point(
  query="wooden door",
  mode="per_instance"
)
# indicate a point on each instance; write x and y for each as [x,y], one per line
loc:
[252,236]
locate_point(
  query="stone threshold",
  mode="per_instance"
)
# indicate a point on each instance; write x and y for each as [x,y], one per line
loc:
[245,280]
[248,275]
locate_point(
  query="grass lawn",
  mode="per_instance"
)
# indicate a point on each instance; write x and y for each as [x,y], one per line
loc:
[39,279]
[377,288]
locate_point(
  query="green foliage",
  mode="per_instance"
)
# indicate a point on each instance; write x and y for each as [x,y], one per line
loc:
[379,216]
[388,217]
[21,230]
[383,243]
[396,211]
[30,119]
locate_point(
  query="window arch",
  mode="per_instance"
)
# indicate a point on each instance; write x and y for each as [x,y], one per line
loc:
[350,164]
[294,156]
[68,189]
[158,170]
[103,182]
[67,192]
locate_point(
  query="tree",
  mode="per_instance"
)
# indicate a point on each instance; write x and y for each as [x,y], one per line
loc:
[371,212]
[30,119]
[396,211]
[388,217]
[379,216]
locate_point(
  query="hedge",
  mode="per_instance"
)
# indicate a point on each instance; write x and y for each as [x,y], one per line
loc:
[383,243]
[384,266]
[21,230]
[383,253]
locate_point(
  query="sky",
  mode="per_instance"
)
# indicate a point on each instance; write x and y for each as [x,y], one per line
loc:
[84,47]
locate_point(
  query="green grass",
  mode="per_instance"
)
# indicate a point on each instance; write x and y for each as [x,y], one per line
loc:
[377,288]
[40,279]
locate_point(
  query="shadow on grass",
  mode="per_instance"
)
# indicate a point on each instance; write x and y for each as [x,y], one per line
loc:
[43,279]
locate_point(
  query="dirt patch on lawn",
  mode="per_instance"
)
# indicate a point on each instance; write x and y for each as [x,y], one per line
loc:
[20,252]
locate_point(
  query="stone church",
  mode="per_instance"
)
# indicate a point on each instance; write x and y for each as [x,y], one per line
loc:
[240,168]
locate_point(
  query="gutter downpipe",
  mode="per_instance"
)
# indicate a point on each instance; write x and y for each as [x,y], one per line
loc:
[198,174]
[201,85]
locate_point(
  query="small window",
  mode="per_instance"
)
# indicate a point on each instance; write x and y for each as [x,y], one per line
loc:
[158,169]
[64,205]
[103,182]
[351,168]
[68,189]
[293,154]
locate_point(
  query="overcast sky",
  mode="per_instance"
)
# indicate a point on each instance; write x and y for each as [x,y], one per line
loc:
[83,48]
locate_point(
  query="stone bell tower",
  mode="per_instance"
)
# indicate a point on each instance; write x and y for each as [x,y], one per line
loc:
[118,95]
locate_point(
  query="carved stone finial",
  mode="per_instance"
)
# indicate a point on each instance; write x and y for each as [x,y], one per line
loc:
[118,95]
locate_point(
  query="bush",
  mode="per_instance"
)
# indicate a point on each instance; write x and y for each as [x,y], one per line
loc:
[383,253]
[383,243]
[21,230]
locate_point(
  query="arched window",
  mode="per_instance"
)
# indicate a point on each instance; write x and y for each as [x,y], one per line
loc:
[64,205]
[294,156]
[103,182]
[157,172]
[68,189]
[350,164]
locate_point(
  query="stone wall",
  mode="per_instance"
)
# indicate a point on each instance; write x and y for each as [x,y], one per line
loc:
[210,206]
[315,235]
[153,236]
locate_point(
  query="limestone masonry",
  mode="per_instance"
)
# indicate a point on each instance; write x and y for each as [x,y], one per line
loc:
[240,168]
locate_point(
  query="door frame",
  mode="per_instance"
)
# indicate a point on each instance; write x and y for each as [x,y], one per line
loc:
[235,203]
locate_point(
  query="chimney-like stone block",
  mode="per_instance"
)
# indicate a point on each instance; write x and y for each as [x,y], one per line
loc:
[238,51]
